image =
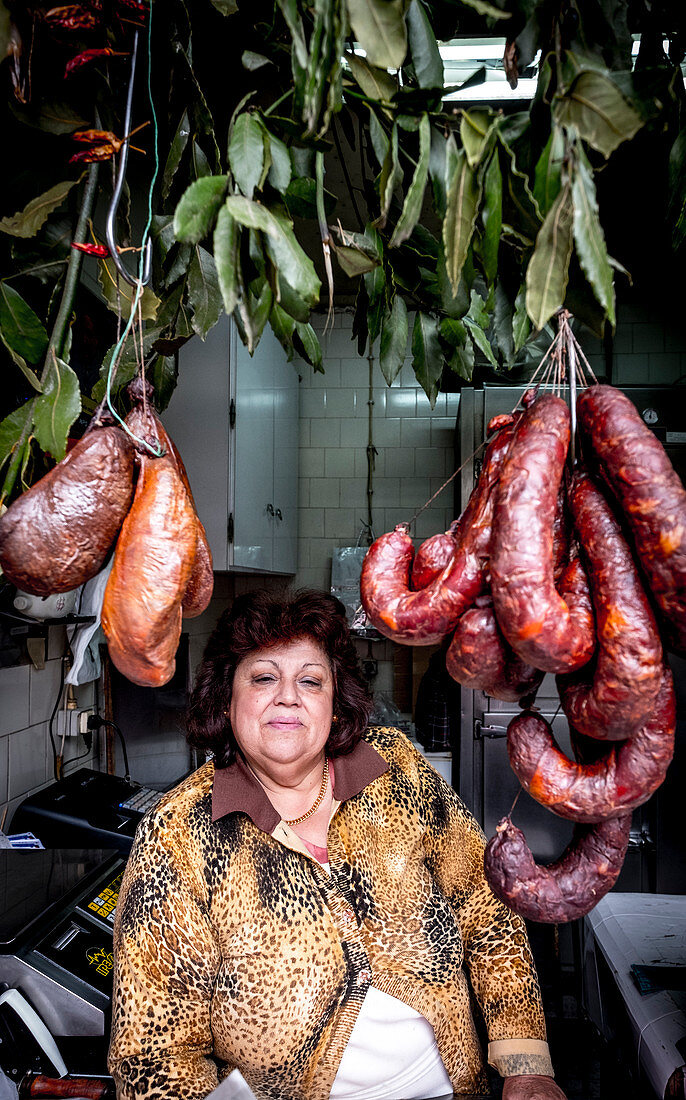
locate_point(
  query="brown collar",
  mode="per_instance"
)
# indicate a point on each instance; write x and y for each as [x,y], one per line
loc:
[236,789]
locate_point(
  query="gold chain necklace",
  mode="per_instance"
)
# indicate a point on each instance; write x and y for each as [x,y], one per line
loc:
[319,799]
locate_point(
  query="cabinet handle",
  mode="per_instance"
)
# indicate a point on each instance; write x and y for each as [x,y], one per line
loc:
[278,513]
[270,509]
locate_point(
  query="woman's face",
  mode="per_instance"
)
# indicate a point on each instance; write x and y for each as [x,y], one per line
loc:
[282,705]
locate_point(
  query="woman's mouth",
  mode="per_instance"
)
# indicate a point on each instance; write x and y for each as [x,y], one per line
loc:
[285,723]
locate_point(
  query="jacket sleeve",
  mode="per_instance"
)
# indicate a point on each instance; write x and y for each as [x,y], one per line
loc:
[166,959]
[496,947]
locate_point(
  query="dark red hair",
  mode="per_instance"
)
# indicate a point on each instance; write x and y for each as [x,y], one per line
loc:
[259,620]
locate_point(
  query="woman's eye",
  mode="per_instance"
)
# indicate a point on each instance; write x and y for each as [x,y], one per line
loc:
[262,679]
[312,683]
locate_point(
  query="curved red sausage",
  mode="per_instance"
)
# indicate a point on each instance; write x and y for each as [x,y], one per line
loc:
[649,491]
[433,556]
[566,889]
[549,631]
[615,699]
[426,616]
[614,784]
[479,658]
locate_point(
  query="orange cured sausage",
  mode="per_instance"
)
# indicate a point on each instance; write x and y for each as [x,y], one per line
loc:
[479,658]
[153,563]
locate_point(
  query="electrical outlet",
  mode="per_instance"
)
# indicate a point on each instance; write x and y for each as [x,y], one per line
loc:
[84,715]
[76,722]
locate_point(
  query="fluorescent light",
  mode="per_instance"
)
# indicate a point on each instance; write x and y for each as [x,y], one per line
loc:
[492,90]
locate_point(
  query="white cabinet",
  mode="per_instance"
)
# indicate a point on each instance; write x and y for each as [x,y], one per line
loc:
[235,421]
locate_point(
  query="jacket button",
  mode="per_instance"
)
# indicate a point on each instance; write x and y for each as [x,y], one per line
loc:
[364,976]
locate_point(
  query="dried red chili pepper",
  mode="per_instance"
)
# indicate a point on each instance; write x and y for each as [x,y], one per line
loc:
[72,17]
[92,249]
[87,56]
[104,144]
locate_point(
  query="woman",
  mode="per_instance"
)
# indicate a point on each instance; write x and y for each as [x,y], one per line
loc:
[301,906]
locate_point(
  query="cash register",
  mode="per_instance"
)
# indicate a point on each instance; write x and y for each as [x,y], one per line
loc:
[57,911]
[86,809]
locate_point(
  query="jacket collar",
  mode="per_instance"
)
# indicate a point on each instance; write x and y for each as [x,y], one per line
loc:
[236,789]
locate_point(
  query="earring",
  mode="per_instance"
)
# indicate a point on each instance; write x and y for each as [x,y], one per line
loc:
[334,717]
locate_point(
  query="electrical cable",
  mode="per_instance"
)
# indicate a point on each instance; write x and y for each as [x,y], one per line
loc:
[52,718]
[94,723]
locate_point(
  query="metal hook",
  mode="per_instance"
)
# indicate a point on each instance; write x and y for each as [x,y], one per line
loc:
[116,196]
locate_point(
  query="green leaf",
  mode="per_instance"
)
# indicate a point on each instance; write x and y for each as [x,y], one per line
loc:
[598,110]
[376,83]
[162,373]
[57,408]
[293,264]
[426,59]
[378,137]
[11,429]
[226,7]
[246,152]
[437,161]
[521,325]
[201,165]
[127,367]
[589,238]
[176,151]
[163,233]
[31,376]
[375,282]
[391,175]
[492,217]
[548,270]
[204,295]
[200,203]
[393,347]
[301,199]
[462,204]
[461,361]
[354,261]
[227,258]
[252,61]
[481,341]
[177,265]
[107,277]
[290,12]
[27,222]
[427,357]
[283,327]
[280,170]
[412,206]
[53,118]
[254,308]
[292,303]
[676,203]
[379,27]
[548,177]
[310,345]
[453,332]
[21,328]
[476,128]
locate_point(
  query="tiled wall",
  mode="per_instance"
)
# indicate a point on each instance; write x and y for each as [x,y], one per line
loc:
[27,699]
[647,348]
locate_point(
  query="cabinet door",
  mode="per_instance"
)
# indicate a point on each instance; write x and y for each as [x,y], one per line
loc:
[253,457]
[198,421]
[286,430]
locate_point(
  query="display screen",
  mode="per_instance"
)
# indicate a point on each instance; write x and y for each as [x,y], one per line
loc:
[34,882]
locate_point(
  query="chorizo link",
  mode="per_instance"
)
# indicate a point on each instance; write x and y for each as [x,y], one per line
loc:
[58,534]
[479,658]
[566,889]
[614,699]
[153,562]
[433,556]
[649,491]
[614,784]
[549,631]
[426,616]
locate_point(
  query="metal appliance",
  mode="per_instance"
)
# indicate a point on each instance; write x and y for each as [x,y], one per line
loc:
[86,808]
[481,771]
[56,917]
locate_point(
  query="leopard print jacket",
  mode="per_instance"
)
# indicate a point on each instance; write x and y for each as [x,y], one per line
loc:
[234,947]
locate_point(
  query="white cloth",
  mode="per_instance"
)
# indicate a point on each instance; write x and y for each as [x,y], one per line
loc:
[85,640]
[391,1055]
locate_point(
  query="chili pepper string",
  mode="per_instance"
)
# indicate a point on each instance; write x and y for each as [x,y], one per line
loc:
[136,298]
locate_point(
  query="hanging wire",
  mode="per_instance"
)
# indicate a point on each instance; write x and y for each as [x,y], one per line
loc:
[139,284]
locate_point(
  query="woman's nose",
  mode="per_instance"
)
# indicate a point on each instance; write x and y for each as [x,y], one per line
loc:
[288,693]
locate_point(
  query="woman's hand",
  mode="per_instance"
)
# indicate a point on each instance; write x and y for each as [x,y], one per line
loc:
[531,1087]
